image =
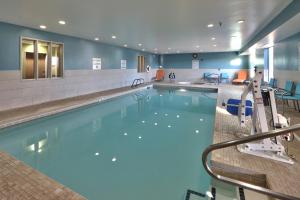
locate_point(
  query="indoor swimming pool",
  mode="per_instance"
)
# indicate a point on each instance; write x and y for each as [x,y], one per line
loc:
[143,145]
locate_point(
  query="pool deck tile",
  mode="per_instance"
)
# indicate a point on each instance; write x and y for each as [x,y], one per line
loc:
[19,181]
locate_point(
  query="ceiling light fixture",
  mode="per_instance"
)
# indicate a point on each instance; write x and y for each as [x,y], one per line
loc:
[197,46]
[143,49]
[96,38]
[125,45]
[140,44]
[240,21]
[210,25]
[43,26]
[61,22]
[213,38]
[169,48]
[114,37]
[214,45]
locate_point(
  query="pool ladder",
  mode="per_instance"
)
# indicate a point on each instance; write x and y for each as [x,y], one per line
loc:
[136,82]
[245,140]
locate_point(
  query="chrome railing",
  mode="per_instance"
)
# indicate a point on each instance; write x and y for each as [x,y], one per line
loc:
[244,140]
[136,82]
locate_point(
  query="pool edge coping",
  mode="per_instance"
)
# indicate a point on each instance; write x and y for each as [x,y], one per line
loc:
[72,107]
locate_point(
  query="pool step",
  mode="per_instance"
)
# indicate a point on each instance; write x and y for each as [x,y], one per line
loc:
[193,195]
[222,191]
[213,194]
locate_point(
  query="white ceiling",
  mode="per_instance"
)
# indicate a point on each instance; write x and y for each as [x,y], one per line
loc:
[180,25]
[286,30]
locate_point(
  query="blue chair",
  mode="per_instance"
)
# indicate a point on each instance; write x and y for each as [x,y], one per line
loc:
[224,76]
[273,83]
[206,75]
[295,97]
[211,77]
[284,93]
[287,91]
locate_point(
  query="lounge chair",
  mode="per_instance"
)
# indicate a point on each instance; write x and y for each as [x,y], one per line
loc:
[242,77]
[160,75]
[295,97]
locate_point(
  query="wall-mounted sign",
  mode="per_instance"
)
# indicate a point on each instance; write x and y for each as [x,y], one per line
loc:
[123,64]
[96,63]
[195,64]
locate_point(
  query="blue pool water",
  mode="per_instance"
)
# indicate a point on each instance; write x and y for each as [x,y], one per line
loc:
[145,145]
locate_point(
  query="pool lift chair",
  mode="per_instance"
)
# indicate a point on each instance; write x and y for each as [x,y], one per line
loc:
[266,148]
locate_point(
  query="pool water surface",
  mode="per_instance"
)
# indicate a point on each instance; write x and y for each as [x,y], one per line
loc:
[145,145]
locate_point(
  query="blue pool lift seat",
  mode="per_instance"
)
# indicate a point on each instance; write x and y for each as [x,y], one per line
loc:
[233,107]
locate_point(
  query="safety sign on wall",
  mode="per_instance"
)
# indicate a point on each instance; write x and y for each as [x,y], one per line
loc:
[96,63]
[123,64]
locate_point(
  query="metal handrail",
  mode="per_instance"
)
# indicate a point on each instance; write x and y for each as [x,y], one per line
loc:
[137,81]
[244,140]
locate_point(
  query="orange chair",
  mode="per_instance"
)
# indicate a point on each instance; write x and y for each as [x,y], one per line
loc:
[242,77]
[160,75]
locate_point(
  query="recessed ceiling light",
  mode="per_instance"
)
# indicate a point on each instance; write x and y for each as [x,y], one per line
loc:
[240,21]
[213,38]
[96,38]
[197,46]
[43,26]
[210,25]
[169,48]
[214,45]
[125,45]
[61,22]
[113,37]
[140,44]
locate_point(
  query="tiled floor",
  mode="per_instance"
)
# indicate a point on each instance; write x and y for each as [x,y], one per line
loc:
[20,182]
[280,177]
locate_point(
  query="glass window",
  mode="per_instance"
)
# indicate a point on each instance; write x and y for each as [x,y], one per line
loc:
[141,64]
[57,60]
[28,59]
[41,59]
[43,56]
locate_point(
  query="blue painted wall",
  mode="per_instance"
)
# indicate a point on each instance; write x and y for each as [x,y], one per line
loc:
[78,53]
[207,60]
[286,53]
